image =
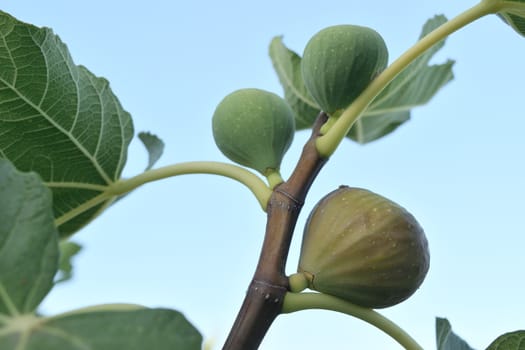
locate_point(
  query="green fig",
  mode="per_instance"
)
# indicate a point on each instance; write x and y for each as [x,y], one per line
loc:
[364,248]
[254,128]
[339,62]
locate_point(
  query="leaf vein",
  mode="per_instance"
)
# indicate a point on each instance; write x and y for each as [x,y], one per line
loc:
[59,333]
[76,185]
[11,58]
[62,130]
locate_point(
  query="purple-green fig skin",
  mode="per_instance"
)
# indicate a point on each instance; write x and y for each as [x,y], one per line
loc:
[364,248]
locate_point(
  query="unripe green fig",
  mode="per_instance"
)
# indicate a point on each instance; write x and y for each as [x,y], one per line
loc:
[254,128]
[364,248]
[339,62]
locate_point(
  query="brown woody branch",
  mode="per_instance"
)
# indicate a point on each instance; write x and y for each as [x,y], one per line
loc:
[264,298]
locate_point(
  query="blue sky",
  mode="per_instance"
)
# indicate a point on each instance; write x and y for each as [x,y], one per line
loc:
[191,243]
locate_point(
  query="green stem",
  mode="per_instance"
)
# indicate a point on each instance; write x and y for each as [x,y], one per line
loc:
[261,191]
[327,144]
[303,301]
[246,177]
[274,178]
[298,282]
[498,5]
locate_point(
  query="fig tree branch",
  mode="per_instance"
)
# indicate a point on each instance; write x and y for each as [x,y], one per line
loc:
[264,299]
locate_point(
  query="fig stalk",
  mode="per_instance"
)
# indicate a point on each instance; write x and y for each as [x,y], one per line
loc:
[265,295]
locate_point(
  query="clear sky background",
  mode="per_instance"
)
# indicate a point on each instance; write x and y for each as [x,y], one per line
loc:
[191,243]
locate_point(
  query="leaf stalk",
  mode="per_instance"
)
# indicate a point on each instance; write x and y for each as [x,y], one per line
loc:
[244,176]
[303,301]
[328,143]
[257,186]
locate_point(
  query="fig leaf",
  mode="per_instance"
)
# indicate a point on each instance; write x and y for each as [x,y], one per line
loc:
[68,250]
[101,327]
[79,145]
[154,146]
[514,15]
[509,341]
[446,339]
[29,253]
[29,259]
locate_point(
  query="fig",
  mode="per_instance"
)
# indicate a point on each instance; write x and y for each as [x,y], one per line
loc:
[364,248]
[254,128]
[339,62]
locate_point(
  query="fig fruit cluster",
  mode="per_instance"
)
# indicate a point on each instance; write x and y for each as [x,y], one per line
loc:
[339,62]
[254,128]
[364,248]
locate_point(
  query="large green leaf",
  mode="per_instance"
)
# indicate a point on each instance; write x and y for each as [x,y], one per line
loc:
[513,13]
[29,259]
[509,341]
[28,241]
[446,339]
[106,327]
[413,87]
[287,65]
[59,120]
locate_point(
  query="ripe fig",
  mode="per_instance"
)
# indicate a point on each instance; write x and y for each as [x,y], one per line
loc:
[364,248]
[339,62]
[254,128]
